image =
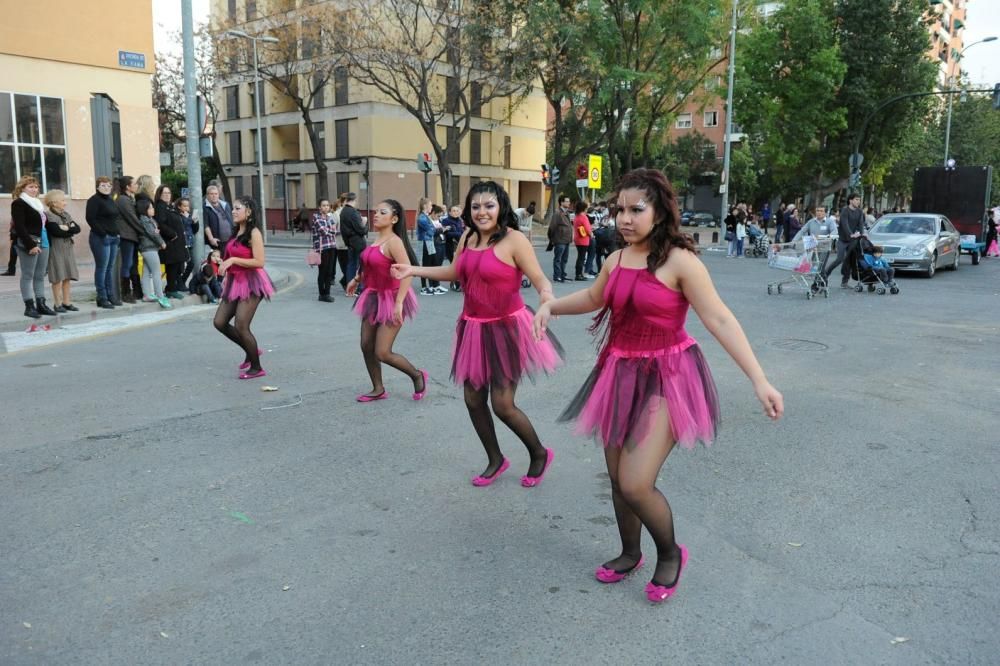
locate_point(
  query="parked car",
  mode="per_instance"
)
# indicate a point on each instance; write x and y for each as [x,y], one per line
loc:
[686,217]
[917,241]
[703,219]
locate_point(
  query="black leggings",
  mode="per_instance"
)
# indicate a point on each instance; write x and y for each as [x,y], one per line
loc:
[326,271]
[243,312]
[174,280]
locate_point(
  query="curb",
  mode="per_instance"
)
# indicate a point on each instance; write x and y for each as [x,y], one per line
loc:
[90,312]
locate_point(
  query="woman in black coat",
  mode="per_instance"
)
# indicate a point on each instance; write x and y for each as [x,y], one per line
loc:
[171,227]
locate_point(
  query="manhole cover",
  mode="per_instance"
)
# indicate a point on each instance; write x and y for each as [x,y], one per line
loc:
[792,344]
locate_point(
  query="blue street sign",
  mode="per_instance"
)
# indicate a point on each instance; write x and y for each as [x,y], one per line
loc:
[131,59]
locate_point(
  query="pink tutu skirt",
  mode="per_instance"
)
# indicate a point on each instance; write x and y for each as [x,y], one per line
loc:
[993,250]
[620,398]
[377,305]
[241,285]
[498,352]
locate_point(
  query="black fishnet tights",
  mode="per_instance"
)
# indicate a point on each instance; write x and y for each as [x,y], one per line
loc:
[376,347]
[243,312]
[638,503]
[502,399]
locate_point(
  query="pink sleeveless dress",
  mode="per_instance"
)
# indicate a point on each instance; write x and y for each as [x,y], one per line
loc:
[378,300]
[241,283]
[494,341]
[646,355]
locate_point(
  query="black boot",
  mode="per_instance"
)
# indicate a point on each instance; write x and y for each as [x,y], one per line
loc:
[126,291]
[30,311]
[42,308]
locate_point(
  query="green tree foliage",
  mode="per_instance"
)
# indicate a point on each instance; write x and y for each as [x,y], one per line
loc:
[789,73]
[688,162]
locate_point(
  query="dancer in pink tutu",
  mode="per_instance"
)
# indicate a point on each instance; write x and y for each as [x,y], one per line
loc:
[494,345]
[651,387]
[385,302]
[246,283]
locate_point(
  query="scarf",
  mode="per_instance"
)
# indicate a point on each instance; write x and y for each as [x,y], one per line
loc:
[33,202]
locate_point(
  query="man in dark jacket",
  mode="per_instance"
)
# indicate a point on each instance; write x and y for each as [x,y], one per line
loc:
[354,233]
[850,227]
[218,219]
[560,236]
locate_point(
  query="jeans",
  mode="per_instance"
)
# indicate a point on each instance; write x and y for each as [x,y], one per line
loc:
[33,270]
[152,283]
[431,260]
[342,261]
[591,256]
[127,249]
[353,262]
[845,266]
[560,256]
[739,247]
[105,250]
[887,275]
[326,271]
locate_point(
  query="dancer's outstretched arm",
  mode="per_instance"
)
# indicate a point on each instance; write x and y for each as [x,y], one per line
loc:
[699,291]
[527,263]
[579,302]
[447,273]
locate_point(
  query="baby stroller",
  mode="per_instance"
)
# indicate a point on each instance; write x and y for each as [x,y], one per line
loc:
[758,244]
[865,275]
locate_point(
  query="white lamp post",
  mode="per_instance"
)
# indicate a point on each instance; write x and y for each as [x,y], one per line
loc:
[256,104]
[951,85]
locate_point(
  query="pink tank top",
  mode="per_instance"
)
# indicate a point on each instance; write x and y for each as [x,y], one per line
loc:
[647,317]
[234,248]
[375,268]
[492,288]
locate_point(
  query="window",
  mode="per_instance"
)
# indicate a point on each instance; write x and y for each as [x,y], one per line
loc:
[715,53]
[253,101]
[711,119]
[253,137]
[235,147]
[343,182]
[232,102]
[340,86]
[476,147]
[319,91]
[476,94]
[278,185]
[232,10]
[454,150]
[452,94]
[32,141]
[255,187]
[456,190]
[713,83]
[343,148]
[238,190]
[251,10]
[507,141]
[684,121]
[320,130]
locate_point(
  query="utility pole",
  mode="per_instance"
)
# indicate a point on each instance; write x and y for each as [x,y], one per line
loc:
[192,130]
[729,116]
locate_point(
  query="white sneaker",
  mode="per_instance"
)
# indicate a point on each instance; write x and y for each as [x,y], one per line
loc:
[440,290]
[426,291]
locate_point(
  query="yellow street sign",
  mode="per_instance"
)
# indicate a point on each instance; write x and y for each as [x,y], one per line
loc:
[594,171]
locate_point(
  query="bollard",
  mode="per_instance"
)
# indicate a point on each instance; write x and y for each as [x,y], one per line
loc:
[697,238]
[715,237]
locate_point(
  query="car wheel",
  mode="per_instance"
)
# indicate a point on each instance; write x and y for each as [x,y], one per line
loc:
[954,264]
[975,258]
[932,268]
[769,290]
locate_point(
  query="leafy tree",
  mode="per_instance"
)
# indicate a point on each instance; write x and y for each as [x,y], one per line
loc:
[690,161]
[789,72]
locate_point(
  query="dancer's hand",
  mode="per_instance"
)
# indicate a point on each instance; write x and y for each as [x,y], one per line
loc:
[224,266]
[541,321]
[397,314]
[771,399]
[544,296]
[402,271]
[352,287]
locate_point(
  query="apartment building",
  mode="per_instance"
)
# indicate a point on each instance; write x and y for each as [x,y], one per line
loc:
[369,143]
[75,98]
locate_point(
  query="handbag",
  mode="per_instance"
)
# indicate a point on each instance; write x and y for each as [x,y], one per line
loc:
[730,235]
[314,258]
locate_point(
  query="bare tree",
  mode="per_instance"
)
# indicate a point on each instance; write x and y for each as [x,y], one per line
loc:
[168,97]
[300,65]
[442,61]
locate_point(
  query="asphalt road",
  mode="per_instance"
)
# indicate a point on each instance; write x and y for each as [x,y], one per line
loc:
[158,511]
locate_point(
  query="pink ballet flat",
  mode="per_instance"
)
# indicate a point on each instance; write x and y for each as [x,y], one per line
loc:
[606,575]
[253,375]
[246,364]
[419,395]
[532,481]
[483,481]
[659,593]
[372,398]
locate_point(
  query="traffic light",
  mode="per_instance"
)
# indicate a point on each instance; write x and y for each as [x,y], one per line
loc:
[996,96]
[546,175]
[555,175]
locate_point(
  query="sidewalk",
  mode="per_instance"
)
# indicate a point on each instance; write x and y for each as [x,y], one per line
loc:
[84,296]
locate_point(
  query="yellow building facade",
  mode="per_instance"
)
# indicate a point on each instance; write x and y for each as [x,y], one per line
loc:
[370,143]
[75,98]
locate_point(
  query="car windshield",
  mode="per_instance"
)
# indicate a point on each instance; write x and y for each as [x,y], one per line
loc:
[905,225]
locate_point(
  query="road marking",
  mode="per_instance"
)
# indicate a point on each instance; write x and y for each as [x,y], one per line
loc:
[22,341]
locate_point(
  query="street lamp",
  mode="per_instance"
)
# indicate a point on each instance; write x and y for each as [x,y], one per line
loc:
[256,104]
[951,84]
[729,116]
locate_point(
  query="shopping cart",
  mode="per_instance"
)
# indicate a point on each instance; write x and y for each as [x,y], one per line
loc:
[805,260]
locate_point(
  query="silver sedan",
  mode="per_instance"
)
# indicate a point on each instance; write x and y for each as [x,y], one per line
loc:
[917,241]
